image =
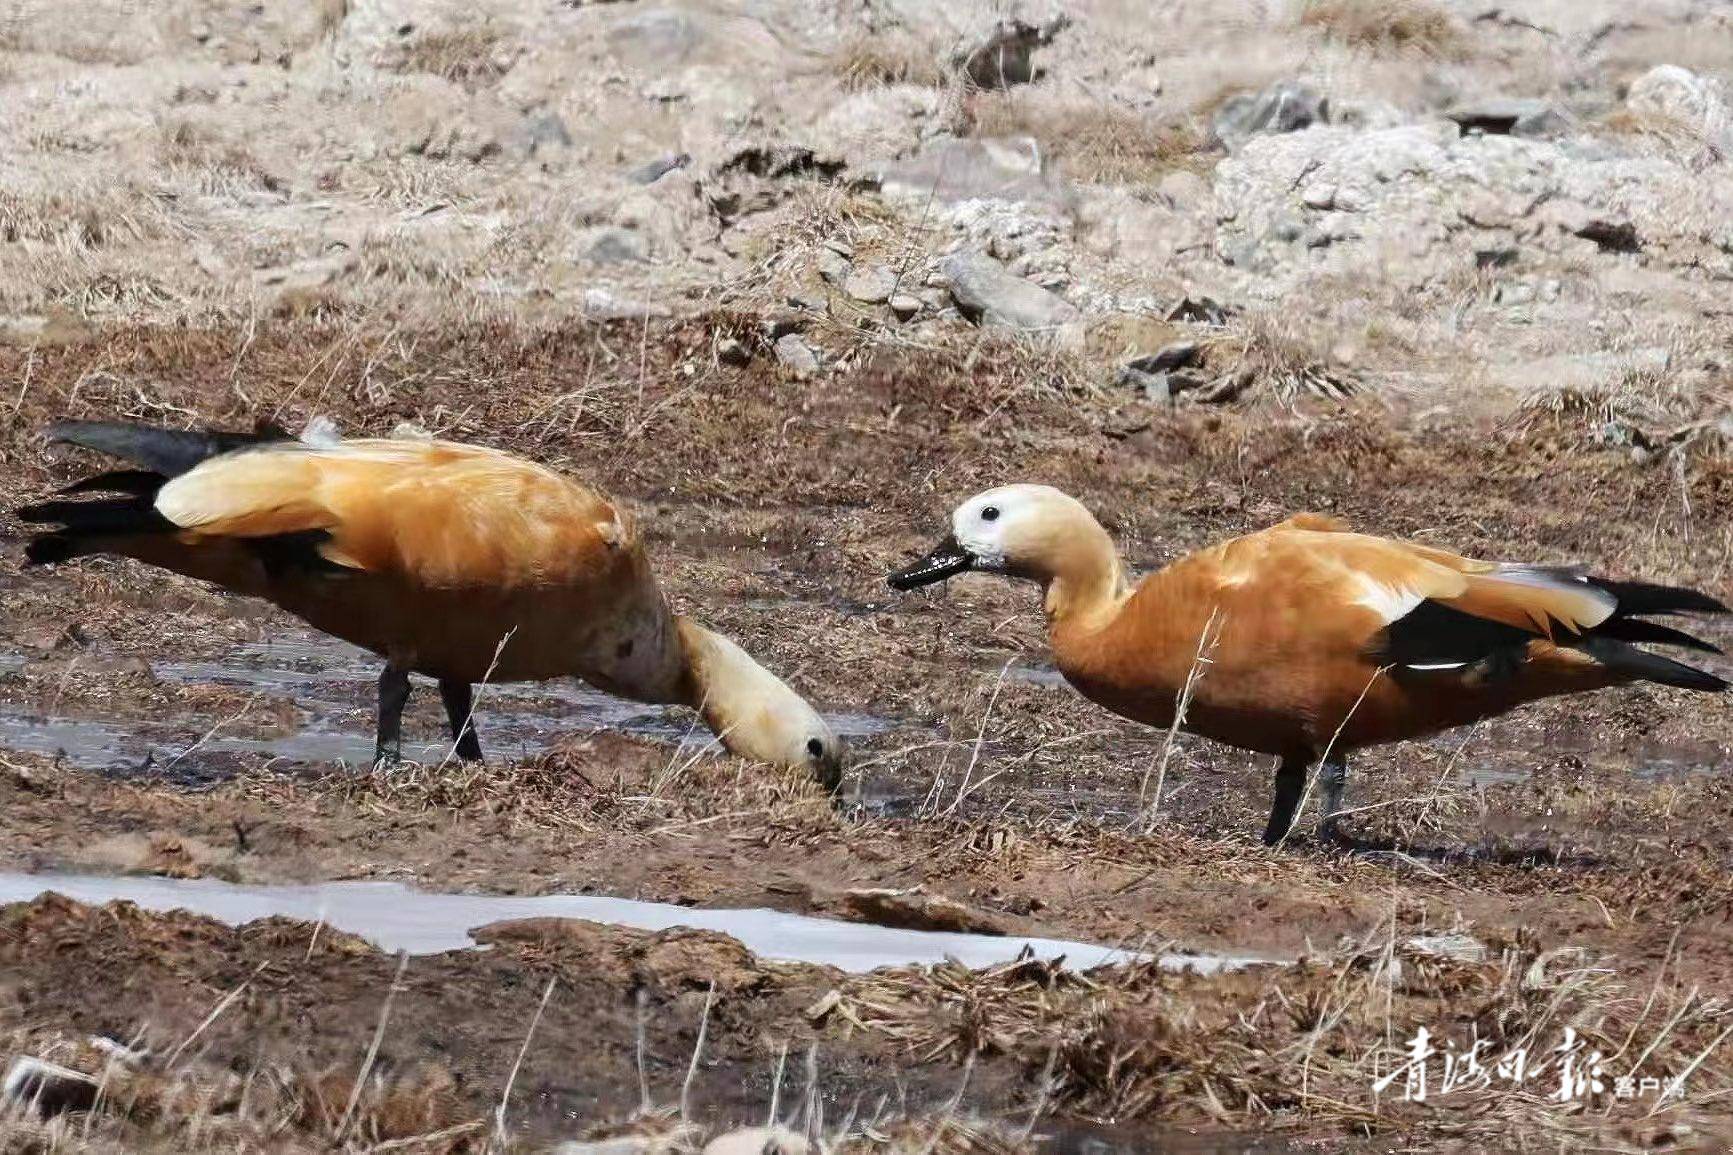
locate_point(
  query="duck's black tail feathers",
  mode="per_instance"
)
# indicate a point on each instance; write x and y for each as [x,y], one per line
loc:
[83,527]
[1612,642]
[170,452]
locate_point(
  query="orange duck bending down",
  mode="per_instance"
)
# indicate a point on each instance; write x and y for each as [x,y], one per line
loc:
[462,563]
[1320,641]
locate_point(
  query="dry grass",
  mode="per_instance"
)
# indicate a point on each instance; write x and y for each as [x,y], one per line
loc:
[1692,144]
[871,60]
[1421,27]
[473,56]
[1091,141]
[1270,356]
[161,1104]
[1274,1047]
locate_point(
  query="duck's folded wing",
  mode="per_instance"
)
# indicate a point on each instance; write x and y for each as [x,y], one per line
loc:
[1431,608]
[435,514]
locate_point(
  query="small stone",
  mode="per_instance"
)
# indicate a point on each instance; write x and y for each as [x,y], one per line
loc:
[872,285]
[833,266]
[905,306]
[796,354]
[1319,196]
[547,131]
[1153,386]
[780,324]
[615,246]
[808,301]
[758,1141]
[1285,106]
[989,295]
[840,247]
[1174,356]
[1504,116]
[1519,293]
[653,171]
[1611,236]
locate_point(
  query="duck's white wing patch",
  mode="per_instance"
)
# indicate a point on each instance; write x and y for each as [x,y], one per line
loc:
[1389,602]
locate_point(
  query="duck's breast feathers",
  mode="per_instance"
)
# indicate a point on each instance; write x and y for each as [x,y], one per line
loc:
[436,513]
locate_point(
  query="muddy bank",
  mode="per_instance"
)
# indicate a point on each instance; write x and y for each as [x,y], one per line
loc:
[205,737]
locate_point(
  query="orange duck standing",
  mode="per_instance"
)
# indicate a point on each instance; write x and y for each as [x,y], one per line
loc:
[1320,641]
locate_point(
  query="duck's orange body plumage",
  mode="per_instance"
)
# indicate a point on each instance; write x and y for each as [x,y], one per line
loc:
[463,563]
[1314,640]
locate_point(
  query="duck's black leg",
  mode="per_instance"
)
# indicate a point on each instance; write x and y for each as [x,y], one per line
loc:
[1333,778]
[460,711]
[1290,785]
[393,696]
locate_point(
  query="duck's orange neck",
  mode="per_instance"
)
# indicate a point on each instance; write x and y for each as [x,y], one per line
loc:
[1085,584]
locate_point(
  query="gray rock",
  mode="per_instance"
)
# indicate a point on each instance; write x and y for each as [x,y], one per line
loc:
[1680,94]
[833,266]
[872,285]
[796,354]
[602,305]
[1285,106]
[655,170]
[1153,386]
[615,246]
[952,169]
[546,131]
[990,296]
[807,301]
[1175,356]
[906,306]
[1506,116]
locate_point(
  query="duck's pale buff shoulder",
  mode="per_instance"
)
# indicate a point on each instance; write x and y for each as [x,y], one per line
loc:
[435,512]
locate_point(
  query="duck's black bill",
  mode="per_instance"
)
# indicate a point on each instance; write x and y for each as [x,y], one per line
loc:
[947,558]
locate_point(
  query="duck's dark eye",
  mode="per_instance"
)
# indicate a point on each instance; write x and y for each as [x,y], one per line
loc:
[991,513]
[815,747]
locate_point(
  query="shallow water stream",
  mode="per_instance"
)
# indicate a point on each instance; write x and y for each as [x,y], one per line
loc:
[334,685]
[396,917]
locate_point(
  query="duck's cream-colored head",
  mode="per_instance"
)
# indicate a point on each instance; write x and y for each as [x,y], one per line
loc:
[753,712]
[1025,531]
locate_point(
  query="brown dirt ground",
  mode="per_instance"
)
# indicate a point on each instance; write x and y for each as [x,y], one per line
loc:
[775,507]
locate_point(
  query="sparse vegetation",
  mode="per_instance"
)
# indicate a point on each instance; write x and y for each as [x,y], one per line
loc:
[1091,141]
[871,59]
[473,55]
[1423,27]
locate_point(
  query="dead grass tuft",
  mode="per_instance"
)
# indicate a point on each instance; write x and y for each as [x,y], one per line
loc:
[871,60]
[1270,356]
[1310,1040]
[472,56]
[1091,141]
[1421,27]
